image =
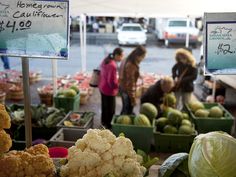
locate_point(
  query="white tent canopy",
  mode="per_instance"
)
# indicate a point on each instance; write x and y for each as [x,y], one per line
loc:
[143,8]
[150,8]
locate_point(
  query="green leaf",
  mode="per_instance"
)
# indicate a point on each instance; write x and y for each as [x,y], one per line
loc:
[143,154]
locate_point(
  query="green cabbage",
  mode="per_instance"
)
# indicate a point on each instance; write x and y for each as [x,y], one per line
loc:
[213,155]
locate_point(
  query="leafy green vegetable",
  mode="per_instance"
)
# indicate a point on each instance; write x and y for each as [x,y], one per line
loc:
[213,155]
[175,166]
[40,114]
[147,160]
[110,175]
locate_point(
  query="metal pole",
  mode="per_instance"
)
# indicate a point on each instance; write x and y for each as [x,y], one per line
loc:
[27,101]
[54,75]
[187,33]
[81,42]
[214,87]
[85,44]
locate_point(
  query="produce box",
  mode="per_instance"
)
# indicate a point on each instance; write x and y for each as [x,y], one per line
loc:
[18,145]
[208,124]
[165,142]
[44,121]
[80,120]
[66,137]
[140,136]
[18,132]
[67,103]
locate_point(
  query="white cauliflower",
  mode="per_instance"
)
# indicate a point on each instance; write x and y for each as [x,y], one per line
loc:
[96,142]
[99,153]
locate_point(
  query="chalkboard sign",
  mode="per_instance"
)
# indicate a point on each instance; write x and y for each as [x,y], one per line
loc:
[34,28]
[220,45]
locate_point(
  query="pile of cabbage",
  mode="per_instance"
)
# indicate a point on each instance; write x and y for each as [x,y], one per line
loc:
[211,155]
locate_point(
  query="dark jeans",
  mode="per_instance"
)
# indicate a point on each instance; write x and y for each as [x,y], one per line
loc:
[108,109]
[127,108]
[5,62]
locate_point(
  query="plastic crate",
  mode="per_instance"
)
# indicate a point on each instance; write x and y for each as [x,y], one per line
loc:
[67,103]
[87,125]
[66,137]
[165,142]
[208,124]
[17,132]
[140,136]
[18,145]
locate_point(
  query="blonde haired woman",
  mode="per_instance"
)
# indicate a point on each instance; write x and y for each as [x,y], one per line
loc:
[184,72]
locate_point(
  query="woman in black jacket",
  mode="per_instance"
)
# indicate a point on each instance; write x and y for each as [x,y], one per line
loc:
[184,72]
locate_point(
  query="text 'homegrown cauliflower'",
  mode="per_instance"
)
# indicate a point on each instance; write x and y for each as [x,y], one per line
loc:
[99,153]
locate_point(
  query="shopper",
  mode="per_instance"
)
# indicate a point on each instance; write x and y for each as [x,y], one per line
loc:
[5,61]
[108,85]
[156,92]
[129,74]
[184,72]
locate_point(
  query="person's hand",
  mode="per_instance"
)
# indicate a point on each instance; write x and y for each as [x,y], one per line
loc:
[133,102]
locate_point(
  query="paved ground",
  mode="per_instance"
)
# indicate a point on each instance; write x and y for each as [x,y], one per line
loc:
[158,59]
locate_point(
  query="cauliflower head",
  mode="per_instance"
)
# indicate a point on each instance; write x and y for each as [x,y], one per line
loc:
[5,142]
[99,153]
[23,163]
[5,120]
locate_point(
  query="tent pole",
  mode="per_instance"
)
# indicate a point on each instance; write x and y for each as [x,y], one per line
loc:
[81,42]
[54,75]
[27,101]
[85,44]
[214,88]
[187,34]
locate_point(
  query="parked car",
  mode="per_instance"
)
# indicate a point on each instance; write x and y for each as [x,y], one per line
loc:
[131,34]
[174,30]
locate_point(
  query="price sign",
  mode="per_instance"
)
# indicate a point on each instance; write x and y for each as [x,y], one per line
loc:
[220,45]
[34,28]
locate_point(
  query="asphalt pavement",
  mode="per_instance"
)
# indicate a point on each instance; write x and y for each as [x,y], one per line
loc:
[159,59]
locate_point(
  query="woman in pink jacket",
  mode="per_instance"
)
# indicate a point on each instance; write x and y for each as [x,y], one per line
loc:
[108,85]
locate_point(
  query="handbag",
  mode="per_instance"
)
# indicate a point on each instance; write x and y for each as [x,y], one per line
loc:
[177,84]
[94,81]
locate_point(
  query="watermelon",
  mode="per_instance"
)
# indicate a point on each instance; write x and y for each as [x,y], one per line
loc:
[195,105]
[161,123]
[170,129]
[201,113]
[175,117]
[166,110]
[186,122]
[149,110]
[185,129]
[124,119]
[69,93]
[142,120]
[216,111]
[75,88]
[169,99]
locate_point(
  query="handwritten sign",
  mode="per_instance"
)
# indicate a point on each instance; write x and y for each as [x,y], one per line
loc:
[221,46]
[34,28]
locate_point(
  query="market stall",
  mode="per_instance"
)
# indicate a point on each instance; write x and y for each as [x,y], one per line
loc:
[121,151]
